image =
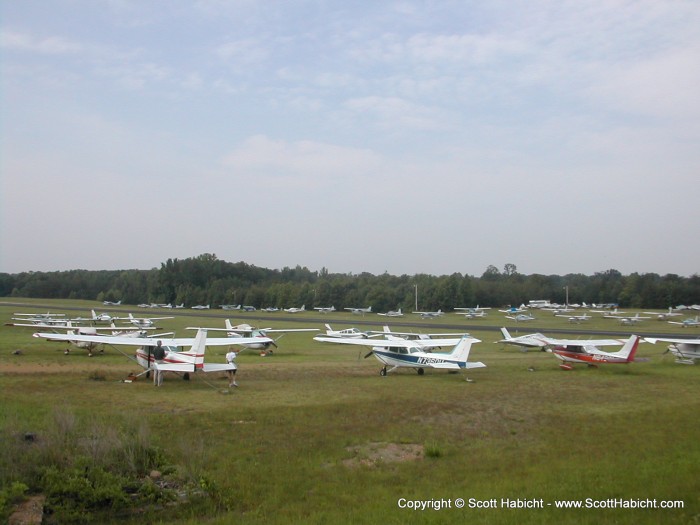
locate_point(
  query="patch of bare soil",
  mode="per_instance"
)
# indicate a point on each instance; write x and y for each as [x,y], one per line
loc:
[373,454]
[29,512]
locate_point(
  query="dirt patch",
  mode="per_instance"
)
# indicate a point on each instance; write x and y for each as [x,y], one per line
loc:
[373,454]
[29,512]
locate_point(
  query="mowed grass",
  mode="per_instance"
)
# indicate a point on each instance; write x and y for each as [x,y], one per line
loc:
[306,437]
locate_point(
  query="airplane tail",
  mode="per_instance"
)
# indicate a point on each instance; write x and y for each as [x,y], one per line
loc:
[630,349]
[229,326]
[506,333]
[328,327]
[399,311]
[199,348]
[461,350]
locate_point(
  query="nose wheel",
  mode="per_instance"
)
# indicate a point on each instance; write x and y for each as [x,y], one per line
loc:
[382,372]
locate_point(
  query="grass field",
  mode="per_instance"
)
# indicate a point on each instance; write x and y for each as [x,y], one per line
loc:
[315,435]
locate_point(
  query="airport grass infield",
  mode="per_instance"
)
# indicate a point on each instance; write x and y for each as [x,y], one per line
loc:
[314,435]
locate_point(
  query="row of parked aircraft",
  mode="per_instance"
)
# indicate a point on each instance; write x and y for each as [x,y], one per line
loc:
[393,349]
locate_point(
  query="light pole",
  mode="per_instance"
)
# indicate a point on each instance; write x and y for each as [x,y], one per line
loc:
[567,295]
[416,287]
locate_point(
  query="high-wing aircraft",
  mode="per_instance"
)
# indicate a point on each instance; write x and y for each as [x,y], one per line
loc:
[399,353]
[392,313]
[664,315]
[430,315]
[295,310]
[256,338]
[145,322]
[72,333]
[587,352]
[104,317]
[360,311]
[628,320]
[111,303]
[690,321]
[521,317]
[388,333]
[686,351]
[543,342]
[325,309]
[186,362]
[575,318]
[472,313]
[353,333]
[514,310]
[200,307]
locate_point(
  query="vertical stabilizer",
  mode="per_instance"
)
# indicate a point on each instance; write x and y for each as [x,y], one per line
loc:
[461,350]
[506,333]
[199,348]
[630,349]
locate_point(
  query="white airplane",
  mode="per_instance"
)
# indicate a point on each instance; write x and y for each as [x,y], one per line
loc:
[110,303]
[325,309]
[575,318]
[295,310]
[145,322]
[105,317]
[399,353]
[430,315]
[353,333]
[389,334]
[628,320]
[175,361]
[472,313]
[521,317]
[73,334]
[392,313]
[664,315]
[686,351]
[609,313]
[271,309]
[360,311]
[230,306]
[257,338]
[689,322]
[200,307]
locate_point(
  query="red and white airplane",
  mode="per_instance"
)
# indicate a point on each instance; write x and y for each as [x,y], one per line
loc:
[175,360]
[587,352]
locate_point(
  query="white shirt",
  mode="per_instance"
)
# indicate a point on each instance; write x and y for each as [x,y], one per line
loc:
[230,357]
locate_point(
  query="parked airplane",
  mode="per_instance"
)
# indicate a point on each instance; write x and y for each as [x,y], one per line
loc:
[472,313]
[359,311]
[398,353]
[325,309]
[392,313]
[686,351]
[521,317]
[514,309]
[295,310]
[145,322]
[174,361]
[110,303]
[388,333]
[589,353]
[73,334]
[430,315]
[353,332]
[257,337]
[664,315]
[628,320]
[543,342]
[689,322]
[575,318]
[200,307]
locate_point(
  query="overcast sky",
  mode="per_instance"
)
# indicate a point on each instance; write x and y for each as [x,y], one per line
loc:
[366,136]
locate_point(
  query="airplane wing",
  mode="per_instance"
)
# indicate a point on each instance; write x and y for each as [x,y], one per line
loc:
[386,343]
[653,340]
[454,366]
[581,342]
[152,341]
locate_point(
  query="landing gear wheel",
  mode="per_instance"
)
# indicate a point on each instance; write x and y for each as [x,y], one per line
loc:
[421,371]
[382,372]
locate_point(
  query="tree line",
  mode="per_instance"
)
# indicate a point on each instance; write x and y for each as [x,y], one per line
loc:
[205,279]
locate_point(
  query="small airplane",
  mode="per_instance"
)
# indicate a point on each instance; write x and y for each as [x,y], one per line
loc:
[664,315]
[73,334]
[399,353]
[145,322]
[392,313]
[257,338]
[614,313]
[104,317]
[295,310]
[389,334]
[628,320]
[589,353]
[200,307]
[360,311]
[175,361]
[575,318]
[111,303]
[271,309]
[686,351]
[542,342]
[514,309]
[325,309]
[689,322]
[472,313]
[430,315]
[353,333]
[521,317]
[230,306]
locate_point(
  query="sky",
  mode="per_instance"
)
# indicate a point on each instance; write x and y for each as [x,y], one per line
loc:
[405,137]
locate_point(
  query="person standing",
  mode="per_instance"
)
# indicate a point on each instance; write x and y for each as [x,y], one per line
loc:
[158,358]
[230,359]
